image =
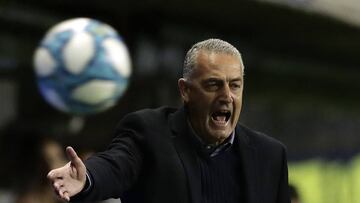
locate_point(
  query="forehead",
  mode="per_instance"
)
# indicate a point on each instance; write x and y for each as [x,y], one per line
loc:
[217,65]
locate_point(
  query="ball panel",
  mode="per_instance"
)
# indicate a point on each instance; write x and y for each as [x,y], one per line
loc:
[55,44]
[54,98]
[44,62]
[104,106]
[74,25]
[118,54]
[100,30]
[78,52]
[94,92]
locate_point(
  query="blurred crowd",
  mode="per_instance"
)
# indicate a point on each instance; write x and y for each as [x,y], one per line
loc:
[27,154]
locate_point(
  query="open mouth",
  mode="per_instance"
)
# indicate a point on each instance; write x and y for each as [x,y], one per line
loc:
[221,117]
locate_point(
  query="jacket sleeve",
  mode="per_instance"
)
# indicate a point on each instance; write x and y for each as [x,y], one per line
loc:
[117,168]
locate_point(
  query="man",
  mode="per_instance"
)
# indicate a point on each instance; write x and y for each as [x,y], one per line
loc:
[198,153]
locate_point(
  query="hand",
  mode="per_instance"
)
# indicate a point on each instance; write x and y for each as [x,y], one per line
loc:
[70,179]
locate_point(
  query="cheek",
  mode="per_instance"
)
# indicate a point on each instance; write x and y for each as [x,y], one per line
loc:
[202,99]
[237,108]
[238,99]
[238,103]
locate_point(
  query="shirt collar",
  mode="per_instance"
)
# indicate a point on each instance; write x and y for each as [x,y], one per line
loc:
[213,150]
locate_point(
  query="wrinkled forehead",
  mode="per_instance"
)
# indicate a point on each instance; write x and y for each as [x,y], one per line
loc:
[213,54]
[218,60]
[213,64]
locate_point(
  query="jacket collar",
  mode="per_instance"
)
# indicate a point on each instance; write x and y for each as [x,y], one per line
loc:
[187,152]
[250,163]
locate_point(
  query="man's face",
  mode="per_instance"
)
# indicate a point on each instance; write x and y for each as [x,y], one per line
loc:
[213,95]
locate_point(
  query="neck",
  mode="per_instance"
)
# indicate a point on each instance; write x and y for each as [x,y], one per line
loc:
[205,139]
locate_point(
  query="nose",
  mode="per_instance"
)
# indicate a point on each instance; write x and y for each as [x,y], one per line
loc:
[226,95]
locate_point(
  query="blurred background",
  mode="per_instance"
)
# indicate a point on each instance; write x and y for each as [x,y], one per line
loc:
[302,65]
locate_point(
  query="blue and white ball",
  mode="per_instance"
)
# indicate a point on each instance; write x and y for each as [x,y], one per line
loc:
[82,66]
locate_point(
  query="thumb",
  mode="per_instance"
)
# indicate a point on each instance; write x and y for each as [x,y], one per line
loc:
[74,158]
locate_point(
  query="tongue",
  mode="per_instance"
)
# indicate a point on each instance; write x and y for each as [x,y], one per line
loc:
[220,118]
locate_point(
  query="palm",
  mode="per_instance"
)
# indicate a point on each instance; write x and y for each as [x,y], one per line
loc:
[70,179]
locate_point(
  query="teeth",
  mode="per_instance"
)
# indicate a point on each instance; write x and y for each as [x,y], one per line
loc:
[222,116]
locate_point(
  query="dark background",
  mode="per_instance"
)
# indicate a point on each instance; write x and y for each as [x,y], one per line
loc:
[302,68]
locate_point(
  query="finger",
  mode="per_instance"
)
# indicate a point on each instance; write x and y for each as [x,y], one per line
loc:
[74,158]
[58,184]
[71,153]
[54,174]
[64,194]
[59,192]
[50,175]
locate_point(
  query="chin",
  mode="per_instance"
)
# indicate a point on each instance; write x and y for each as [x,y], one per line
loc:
[220,136]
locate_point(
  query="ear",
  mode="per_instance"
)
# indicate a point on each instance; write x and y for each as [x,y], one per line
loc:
[184,89]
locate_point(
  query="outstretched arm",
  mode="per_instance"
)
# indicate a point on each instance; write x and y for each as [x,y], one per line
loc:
[70,179]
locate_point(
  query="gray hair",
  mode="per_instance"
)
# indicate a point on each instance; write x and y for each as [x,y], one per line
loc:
[212,46]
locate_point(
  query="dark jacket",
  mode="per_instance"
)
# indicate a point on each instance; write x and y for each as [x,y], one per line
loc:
[152,159]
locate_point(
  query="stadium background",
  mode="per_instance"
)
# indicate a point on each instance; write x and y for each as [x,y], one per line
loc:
[302,76]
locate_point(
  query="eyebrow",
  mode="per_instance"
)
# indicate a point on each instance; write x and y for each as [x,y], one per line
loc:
[215,79]
[236,79]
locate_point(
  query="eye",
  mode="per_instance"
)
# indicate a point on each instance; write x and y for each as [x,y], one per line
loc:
[235,85]
[212,85]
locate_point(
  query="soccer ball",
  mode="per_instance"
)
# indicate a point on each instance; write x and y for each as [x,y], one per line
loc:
[82,66]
